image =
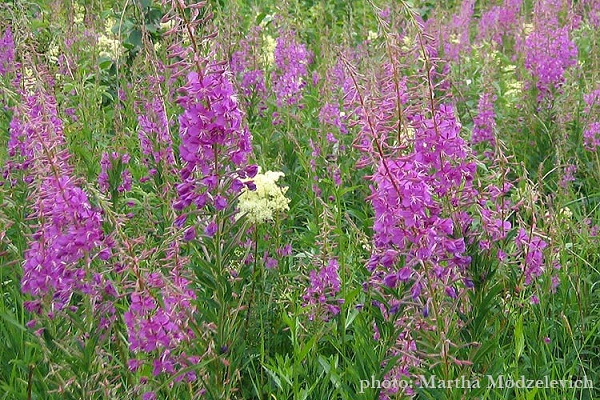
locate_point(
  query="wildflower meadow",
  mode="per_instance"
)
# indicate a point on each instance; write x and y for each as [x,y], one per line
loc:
[300,199]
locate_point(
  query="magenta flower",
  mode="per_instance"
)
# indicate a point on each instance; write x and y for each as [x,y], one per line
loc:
[500,22]
[113,174]
[324,285]
[149,396]
[291,60]
[533,250]
[409,226]
[484,122]
[549,50]
[214,142]
[154,136]
[154,326]
[7,52]
[591,132]
[246,66]
[69,232]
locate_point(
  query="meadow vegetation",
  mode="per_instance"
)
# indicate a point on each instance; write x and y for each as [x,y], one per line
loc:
[284,199]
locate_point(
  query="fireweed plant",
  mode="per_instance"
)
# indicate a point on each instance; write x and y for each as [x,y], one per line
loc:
[233,200]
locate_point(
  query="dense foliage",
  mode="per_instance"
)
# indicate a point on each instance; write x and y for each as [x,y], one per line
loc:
[299,199]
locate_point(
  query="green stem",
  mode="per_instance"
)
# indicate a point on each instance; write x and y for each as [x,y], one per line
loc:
[254,278]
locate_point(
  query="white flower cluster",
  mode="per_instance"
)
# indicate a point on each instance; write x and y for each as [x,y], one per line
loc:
[261,204]
[268,50]
[108,42]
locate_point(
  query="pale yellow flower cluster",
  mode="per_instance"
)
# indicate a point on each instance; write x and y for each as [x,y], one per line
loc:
[269,50]
[454,38]
[527,29]
[565,213]
[167,25]
[262,204]
[408,43]
[110,48]
[79,14]
[514,90]
[108,43]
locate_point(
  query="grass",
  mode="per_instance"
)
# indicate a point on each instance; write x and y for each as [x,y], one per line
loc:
[254,335]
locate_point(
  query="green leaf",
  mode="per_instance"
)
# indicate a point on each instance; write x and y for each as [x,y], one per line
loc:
[260,17]
[519,338]
[306,349]
[152,28]
[134,40]
[531,394]
[9,318]
[350,318]
[274,377]
[105,62]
